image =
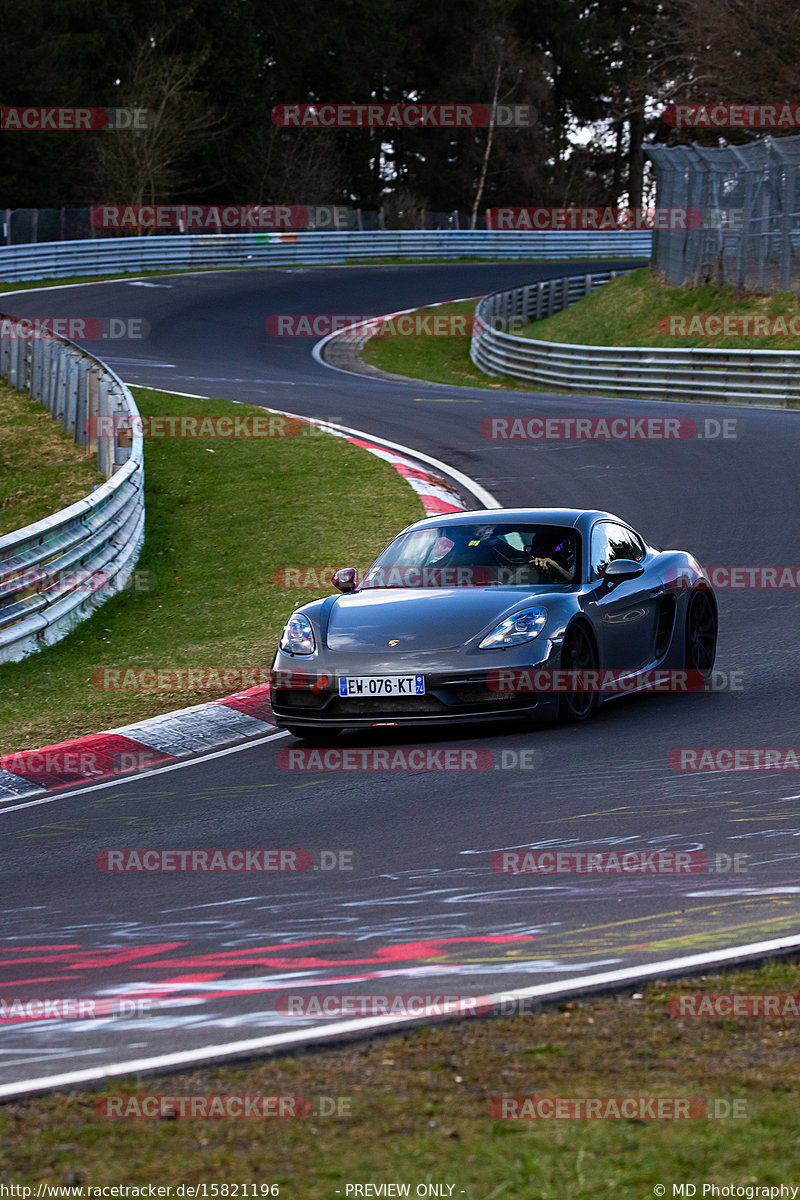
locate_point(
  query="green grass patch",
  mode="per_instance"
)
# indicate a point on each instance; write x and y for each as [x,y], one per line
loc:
[442,360]
[626,312]
[41,468]
[223,515]
[415,1109]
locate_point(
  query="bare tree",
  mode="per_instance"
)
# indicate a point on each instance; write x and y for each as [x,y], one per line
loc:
[290,166]
[737,51]
[403,209]
[145,166]
[499,64]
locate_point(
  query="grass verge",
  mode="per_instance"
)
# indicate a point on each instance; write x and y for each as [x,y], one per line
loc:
[626,312]
[41,468]
[415,1109]
[442,360]
[223,515]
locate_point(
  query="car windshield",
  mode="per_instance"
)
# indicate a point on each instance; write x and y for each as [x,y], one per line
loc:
[479,555]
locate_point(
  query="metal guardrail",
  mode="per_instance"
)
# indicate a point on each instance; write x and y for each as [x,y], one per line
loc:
[56,572]
[109,256]
[650,373]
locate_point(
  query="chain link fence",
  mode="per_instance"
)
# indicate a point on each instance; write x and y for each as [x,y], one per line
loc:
[743,226]
[25,226]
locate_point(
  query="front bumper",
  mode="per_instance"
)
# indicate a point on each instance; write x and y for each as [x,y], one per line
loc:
[310,698]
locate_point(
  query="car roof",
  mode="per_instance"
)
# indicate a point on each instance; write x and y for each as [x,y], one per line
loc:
[571,517]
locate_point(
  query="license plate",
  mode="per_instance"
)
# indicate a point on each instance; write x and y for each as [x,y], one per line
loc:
[382,685]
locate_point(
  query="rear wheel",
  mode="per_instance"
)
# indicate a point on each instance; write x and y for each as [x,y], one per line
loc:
[577,654]
[701,634]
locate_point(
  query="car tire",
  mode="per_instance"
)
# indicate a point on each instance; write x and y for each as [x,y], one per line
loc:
[311,735]
[700,645]
[577,654]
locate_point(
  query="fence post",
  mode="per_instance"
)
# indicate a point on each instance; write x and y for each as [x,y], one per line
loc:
[72,394]
[93,407]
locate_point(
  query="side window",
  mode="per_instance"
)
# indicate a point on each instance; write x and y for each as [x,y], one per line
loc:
[611,541]
[601,553]
[625,543]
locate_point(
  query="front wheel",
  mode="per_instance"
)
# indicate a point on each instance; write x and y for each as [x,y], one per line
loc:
[701,634]
[577,654]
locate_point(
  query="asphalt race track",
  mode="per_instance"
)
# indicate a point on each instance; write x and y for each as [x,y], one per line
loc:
[420,910]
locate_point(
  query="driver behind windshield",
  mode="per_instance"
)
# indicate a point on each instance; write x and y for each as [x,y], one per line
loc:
[477,555]
[554,556]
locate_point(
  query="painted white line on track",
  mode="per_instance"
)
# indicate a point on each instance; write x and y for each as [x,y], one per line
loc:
[161,770]
[367,1025]
[60,287]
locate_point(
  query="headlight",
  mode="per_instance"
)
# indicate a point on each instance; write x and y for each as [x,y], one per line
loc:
[298,636]
[514,630]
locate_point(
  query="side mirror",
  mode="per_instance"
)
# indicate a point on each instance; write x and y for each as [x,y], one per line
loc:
[620,570]
[345,579]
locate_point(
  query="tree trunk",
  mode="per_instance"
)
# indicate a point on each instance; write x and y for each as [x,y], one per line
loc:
[636,159]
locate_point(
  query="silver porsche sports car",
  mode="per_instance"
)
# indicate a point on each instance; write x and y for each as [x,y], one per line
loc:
[525,614]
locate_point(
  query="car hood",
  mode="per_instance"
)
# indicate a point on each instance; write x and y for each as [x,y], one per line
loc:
[420,618]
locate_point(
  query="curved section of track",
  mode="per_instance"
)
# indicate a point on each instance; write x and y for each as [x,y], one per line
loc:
[420,908]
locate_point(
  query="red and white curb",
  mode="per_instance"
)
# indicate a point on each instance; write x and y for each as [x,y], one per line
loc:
[132,749]
[436,494]
[185,733]
[354,337]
